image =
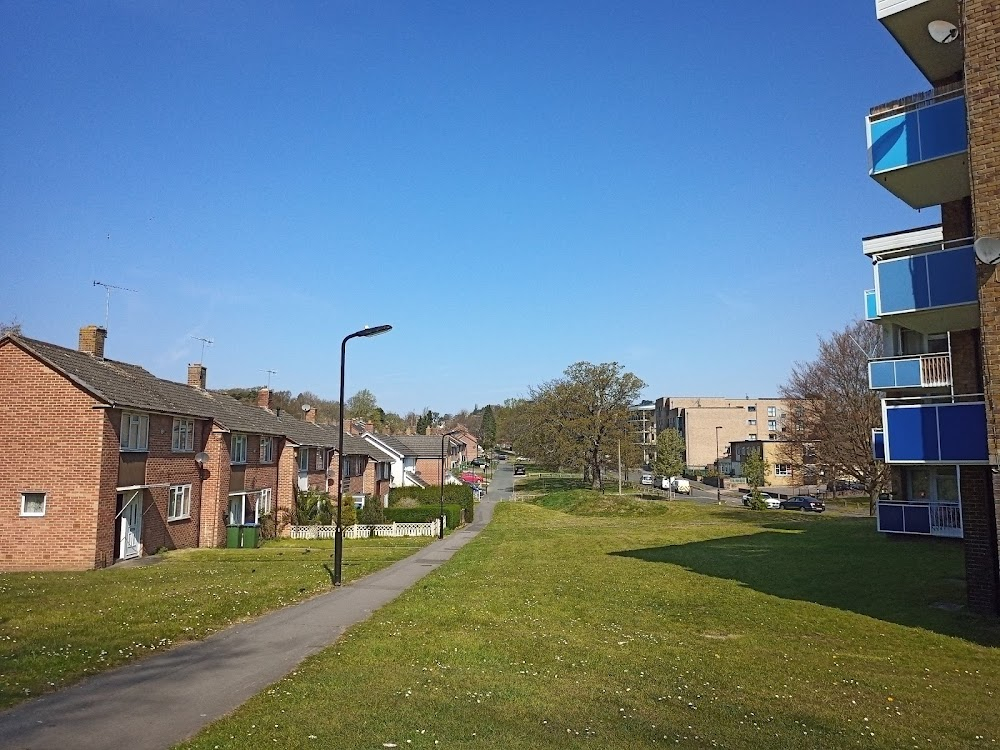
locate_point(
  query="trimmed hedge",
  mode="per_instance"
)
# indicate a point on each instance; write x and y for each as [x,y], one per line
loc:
[454,494]
[425,514]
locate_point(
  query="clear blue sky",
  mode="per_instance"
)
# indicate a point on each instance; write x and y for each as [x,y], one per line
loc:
[513,186]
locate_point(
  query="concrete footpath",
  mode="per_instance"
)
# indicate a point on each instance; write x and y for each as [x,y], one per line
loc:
[160,701]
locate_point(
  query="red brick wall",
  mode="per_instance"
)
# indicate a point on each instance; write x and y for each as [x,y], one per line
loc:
[284,493]
[52,442]
[429,469]
[982,84]
[215,491]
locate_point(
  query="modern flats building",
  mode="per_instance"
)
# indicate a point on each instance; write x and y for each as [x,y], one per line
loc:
[938,304]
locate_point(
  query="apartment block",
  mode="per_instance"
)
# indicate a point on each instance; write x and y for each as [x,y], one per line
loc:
[936,294]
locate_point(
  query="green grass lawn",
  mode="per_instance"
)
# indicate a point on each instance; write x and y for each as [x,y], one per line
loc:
[634,624]
[58,627]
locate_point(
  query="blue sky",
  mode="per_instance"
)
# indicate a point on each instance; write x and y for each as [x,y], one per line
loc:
[513,186]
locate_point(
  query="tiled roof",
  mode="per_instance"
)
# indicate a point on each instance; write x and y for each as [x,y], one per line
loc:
[414,445]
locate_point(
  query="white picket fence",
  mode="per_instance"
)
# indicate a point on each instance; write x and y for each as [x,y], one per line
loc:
[366,531]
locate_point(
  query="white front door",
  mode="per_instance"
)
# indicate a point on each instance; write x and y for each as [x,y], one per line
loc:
[130,535]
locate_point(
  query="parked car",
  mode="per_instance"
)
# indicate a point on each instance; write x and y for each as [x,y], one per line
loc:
[680,485]
[803,502]
[480,462]
[771,502]
[647,479]
[519,470]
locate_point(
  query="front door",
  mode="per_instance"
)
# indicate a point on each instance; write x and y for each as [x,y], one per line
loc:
[130,525]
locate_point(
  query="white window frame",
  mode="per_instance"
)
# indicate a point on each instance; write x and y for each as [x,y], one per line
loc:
[772,424]
[383,470]
[182,436]
[179,502]
[266,449]
[264,502]
[238,448]
[782,472]
[752,436]
[31,514]
[752,408]
[303,459]
[319,459]
[752,422]
[135,432]
[772,411]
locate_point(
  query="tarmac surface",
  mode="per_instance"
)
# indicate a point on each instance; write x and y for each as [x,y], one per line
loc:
[161,701]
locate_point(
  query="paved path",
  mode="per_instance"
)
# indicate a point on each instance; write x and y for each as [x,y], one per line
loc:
[160,701]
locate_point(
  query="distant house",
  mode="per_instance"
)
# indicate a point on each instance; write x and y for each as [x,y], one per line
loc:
[417,458]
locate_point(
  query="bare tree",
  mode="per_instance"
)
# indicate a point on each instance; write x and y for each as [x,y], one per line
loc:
[834,410]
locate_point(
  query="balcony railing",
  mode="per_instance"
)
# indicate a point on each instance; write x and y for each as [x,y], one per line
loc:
[927,291]
[928,519]
[919,371]
[917,146]
[935,430]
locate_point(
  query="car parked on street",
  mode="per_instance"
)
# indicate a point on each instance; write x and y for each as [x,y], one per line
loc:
[647,480]
[803,502]
[519,470]
[771,502]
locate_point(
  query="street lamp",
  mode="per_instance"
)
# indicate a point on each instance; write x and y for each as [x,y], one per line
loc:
[718,469]
[338,535]
[441,517]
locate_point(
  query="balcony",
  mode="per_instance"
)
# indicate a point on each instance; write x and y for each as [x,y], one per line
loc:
[919,371]
[918,147]
[878,445]
[934,430]
[927,291]
[927,519]
[907,21]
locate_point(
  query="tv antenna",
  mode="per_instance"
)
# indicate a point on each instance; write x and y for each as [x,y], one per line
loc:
[204,343]
[269,374]
[107,299]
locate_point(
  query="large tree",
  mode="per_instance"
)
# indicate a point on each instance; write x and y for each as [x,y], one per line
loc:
[488,430]
[833,410]
[576,421]
[669,453]
[362,405]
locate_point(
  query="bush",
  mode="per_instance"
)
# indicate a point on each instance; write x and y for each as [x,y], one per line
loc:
[314,508]
[425,514]
[454,494]
[372,513]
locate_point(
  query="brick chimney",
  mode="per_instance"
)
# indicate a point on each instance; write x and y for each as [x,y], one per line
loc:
[264,398]
[197,376]
[311,416]
[92,340]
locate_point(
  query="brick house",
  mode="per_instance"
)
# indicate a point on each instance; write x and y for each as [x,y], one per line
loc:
[421,462]
[106,462]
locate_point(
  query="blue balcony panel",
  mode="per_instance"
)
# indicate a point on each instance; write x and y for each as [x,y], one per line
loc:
[907,21]
[878,445]
[919,371]
[871,305]
[945,433]
[919,149]
[927,519]
[930,292]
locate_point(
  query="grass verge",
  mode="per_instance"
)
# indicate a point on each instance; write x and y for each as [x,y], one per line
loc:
[56,628]
[692,626]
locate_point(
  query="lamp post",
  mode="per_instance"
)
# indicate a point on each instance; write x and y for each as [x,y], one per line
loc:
[338,535]
[718,469]
[441,516]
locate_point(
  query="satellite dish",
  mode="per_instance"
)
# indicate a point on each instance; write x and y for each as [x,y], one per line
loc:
[200,458]
[942,32]
[987,250]
[306,407]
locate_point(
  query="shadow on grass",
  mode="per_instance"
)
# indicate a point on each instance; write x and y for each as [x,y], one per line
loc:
[842,563]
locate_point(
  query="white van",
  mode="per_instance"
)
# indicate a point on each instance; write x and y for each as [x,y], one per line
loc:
[680,485]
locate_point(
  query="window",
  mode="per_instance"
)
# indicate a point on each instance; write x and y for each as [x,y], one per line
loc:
[303,459]
[319,458]
[266,450]
[32,503]
[751,408]
[772,411]
[752,436]
[238,449]
[183,439]
[135,432]
[264,502]
[383,470]
[772,436]
[939,484]
[179,504]
[752,421]
[782,470]
[772,424]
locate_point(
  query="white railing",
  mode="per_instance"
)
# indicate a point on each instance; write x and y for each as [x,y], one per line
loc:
[366,531]
[942,519]
[946,519]
[935,370]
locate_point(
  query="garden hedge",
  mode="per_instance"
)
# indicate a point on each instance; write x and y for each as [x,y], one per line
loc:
[454,494]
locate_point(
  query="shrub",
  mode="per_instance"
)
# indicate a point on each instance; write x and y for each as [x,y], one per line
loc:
[454,494]
[372,513]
